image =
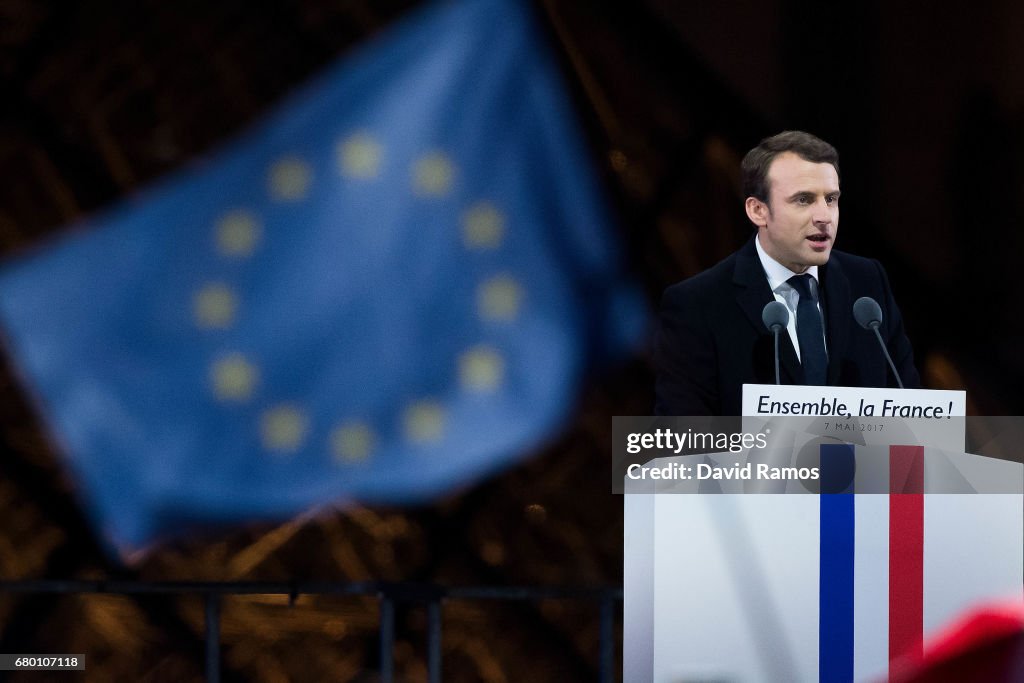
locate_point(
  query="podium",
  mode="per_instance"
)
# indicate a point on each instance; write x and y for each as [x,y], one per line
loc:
[734,578]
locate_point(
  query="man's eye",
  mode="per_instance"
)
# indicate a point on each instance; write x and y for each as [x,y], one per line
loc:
[831,200]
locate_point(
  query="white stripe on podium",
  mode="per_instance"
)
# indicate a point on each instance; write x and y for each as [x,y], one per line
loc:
[871,588]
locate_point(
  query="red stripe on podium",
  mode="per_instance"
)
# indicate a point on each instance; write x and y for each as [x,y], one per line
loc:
[906,550]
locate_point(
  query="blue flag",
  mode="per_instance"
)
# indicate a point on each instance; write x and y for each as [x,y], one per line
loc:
[389,288]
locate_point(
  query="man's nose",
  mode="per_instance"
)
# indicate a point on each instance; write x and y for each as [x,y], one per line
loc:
[822,211]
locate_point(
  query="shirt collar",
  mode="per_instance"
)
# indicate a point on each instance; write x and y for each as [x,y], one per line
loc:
[777,273]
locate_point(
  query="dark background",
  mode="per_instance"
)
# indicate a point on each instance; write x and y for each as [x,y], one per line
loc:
[97,99]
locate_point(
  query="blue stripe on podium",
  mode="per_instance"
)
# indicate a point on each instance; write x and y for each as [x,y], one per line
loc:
[835,626]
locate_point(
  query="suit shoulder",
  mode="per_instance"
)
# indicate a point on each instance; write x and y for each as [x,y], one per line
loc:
[865,277]
[703,286]
[857,267]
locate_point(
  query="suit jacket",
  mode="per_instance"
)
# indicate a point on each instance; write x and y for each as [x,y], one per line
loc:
[711,339]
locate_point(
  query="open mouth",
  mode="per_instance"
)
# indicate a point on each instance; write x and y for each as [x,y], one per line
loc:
[819,238]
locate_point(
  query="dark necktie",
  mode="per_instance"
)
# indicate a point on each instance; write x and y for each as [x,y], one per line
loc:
[809,333]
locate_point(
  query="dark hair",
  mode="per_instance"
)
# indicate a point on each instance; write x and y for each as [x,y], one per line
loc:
[754,168]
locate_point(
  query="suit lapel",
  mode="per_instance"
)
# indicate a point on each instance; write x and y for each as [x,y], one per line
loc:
[752,294]
[838,313]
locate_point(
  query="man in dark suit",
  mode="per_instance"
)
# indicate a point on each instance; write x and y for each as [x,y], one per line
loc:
[711,339]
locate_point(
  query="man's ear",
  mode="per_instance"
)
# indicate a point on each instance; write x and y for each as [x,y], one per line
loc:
[757,211]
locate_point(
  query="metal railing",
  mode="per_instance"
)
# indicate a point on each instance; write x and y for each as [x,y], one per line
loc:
[389,594]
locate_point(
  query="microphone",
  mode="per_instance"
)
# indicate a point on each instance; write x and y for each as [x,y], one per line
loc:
[775,317]
[868,315]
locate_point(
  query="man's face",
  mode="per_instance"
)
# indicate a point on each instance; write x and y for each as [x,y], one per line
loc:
[799,224]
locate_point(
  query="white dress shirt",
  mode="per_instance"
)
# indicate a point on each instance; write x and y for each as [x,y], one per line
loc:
[784,292]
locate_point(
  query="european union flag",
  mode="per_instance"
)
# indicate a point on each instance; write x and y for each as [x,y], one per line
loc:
[389,288]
